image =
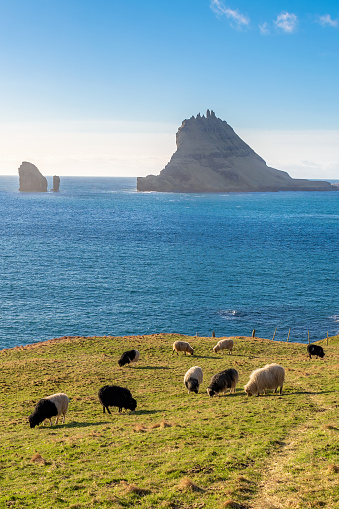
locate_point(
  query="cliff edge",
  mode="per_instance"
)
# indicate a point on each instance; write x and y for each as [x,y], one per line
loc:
[211,157]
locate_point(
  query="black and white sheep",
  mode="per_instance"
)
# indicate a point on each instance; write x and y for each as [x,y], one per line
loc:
[222,381]
[193,378]
[270,377]
[113,395]
[182,346]
[48,407]
[129,357]
[224,344]
[315,350]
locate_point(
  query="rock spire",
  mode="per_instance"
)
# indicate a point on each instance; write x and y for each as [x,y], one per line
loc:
[211,157]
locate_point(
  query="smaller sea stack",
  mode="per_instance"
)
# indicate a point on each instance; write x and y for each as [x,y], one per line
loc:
[56,184]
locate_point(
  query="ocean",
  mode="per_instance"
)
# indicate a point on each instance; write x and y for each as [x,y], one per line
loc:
[99,258]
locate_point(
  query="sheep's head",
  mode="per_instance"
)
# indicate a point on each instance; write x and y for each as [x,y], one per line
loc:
[210,392]
[132,404]
[192,385]
[251,389]
[33,420]
[123,360]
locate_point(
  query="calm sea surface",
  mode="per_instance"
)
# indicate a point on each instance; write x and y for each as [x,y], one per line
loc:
[98,258]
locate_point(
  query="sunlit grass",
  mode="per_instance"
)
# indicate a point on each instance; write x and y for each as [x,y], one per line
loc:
[176,450]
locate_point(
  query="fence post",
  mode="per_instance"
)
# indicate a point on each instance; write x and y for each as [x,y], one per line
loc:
[288,337]
[308,333]
[327,339]
[274,333]
[253,333]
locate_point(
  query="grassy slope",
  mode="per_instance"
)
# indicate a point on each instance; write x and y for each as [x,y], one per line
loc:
[176,450]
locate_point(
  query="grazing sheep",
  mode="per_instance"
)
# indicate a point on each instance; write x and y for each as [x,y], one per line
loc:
[129,357]
[315,350]
[224,344]
[182,346]
[192,379]
[222,381]
[113,395]
[269,377]
[46,408]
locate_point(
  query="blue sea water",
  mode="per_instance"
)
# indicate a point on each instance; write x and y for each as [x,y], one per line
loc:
[98,258]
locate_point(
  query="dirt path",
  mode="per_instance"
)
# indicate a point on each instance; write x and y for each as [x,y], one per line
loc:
[277,488]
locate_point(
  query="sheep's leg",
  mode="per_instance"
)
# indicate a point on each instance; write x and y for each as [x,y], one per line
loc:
[63,418]
[56,420]
[281,390]
[50,420]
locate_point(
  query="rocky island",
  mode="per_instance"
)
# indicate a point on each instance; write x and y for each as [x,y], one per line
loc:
[212,158]
[31,179]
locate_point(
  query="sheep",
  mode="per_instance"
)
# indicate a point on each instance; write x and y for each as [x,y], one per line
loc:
[270,377]
[315,350]
[193,378]
[222,381]
[48,407]
[129,357]
[224,344]
[182,346]
[113,395]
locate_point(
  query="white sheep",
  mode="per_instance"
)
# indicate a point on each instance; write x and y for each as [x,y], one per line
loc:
[224,344]
[270,377]
[193,378]
[182,346]
[48,407]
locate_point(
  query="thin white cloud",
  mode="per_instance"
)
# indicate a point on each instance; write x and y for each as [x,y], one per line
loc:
[264,29]
[287,22]
[326,21]
[234,15]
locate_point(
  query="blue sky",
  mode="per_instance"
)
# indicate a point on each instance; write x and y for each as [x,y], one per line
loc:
[100,87]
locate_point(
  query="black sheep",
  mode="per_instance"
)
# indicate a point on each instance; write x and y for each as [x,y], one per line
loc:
[128,357]
[44,409]
[315,350]
[222,381]
[113,395]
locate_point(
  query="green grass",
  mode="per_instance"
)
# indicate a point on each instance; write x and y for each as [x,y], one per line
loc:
[176,450]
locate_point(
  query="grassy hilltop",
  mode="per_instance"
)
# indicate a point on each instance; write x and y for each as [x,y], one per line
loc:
[176,450]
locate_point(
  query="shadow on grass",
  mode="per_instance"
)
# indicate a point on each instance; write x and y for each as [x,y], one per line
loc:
[152,367]
[206,356]
[146,412]
[312,393]
[74,424]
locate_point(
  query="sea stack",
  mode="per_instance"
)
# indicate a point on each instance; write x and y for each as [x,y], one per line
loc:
[56,184]
[212,158]
[30,179]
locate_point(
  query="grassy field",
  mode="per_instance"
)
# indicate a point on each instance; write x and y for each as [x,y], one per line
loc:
[176,450]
